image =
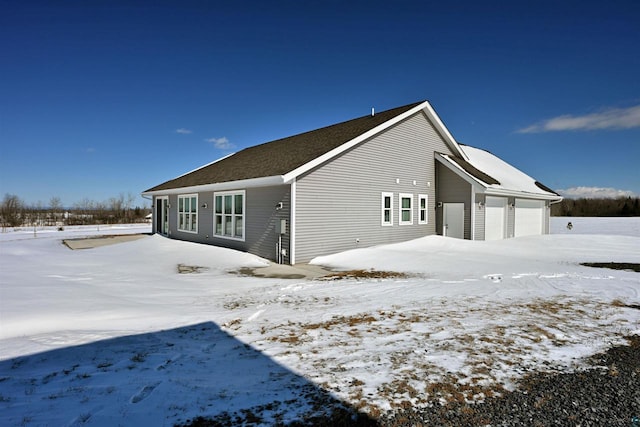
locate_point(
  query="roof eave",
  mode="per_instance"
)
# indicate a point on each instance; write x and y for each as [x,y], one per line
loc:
[266,181]
[488,189]
[523,194]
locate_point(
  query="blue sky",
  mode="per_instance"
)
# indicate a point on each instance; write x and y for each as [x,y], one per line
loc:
[101,98]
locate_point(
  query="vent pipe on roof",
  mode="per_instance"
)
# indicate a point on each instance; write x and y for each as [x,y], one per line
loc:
[373,111]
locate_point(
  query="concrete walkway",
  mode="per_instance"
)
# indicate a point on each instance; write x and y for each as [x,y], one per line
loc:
[93,242]
[272,271]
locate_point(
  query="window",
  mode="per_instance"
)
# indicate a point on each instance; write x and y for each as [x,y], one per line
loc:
[387,209]
[422,209]
[229,215]
[188,213]
[406,209]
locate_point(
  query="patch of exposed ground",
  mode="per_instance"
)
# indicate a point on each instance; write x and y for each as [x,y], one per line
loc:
[191,269]
[605,395]
[442,354]
[258,272]
[606,391]
[365,274]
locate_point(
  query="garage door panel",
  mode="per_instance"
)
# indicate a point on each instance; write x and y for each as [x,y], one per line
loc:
[495,218]
[529,217]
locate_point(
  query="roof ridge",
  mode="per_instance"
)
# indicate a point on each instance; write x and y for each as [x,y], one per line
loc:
[345,122]
[283,155]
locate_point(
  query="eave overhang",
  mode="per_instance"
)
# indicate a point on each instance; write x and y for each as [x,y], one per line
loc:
[489,189]
[267,181]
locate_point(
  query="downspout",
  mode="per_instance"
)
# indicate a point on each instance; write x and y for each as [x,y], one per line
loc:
[292,224]
[548,217]
[153,211]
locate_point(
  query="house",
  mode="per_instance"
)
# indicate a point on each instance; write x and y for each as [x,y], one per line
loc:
[382,178]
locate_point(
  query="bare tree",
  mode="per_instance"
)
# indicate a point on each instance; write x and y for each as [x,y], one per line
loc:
[11,211]
[14,213]
[38,215]
[129,205]
[55,207]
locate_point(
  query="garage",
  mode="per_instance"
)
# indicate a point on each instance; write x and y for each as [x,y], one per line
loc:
[495,218]
[529,217]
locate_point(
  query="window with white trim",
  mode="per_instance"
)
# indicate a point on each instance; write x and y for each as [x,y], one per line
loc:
[228,218]
[387,209]
[405,208]
[422,209]
[188,213]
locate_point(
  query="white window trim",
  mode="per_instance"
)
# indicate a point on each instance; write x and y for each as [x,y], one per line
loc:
[400,209]
[382,209]
[244,214]
[188,214]
[424,197]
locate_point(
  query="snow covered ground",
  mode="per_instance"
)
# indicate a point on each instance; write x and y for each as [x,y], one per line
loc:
[116,335]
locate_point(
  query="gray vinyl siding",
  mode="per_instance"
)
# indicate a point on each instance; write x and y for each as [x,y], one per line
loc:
[338,204]
[259,221]
[479,229]
[453,189]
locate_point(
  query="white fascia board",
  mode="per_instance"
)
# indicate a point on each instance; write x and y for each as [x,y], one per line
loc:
[222,186]
[442,129]
[425,106]
[520,194]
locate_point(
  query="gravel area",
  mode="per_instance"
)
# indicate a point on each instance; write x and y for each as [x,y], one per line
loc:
[606,395]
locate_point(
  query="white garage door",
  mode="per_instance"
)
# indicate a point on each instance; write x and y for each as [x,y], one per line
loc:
[529,217]
[495,218]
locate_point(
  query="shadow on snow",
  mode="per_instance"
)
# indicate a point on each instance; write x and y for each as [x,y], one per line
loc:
[192,375]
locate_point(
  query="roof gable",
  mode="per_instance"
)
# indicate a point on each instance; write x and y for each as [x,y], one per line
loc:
[496,175]
[284,155]
[289,157]
[473,171]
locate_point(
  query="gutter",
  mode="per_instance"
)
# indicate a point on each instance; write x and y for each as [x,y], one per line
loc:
[222,186]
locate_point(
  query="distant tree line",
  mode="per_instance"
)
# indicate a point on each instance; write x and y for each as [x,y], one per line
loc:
[117,210]
[622,206]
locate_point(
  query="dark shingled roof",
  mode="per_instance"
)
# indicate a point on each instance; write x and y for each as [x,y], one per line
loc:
[473,171]
[283,155]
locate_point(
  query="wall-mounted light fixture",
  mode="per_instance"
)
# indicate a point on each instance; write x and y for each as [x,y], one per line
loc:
[279,206]
[439,205]
[511,205]
[204,206]
[480,205]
